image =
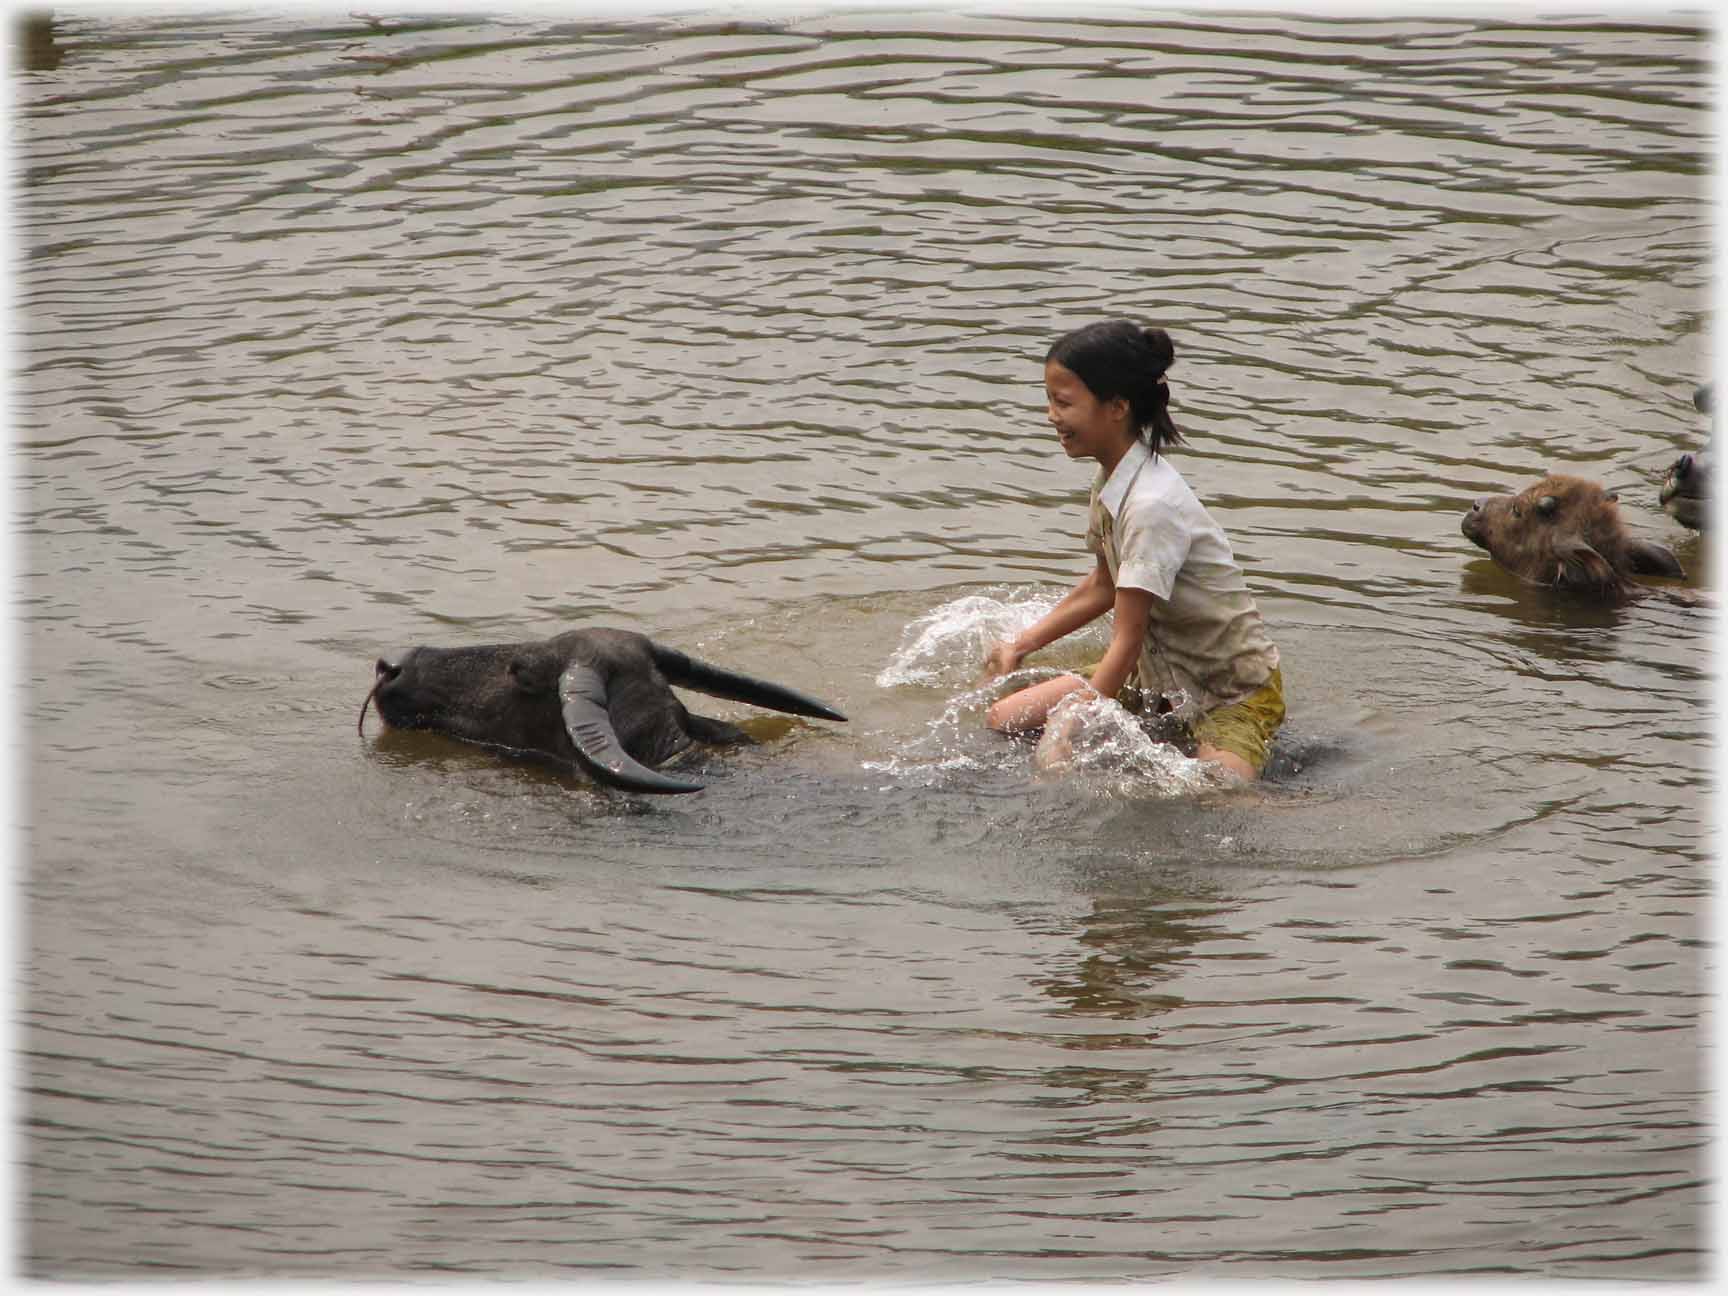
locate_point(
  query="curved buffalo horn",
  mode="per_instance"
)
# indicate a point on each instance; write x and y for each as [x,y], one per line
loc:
[716,682]
[582,695]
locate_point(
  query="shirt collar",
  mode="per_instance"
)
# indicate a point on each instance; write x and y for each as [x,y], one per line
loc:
[1115,488]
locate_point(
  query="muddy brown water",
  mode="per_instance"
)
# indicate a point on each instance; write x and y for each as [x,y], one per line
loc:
[339,334]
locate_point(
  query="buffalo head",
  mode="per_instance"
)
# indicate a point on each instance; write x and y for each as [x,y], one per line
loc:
[1566,532]
[1686,490]
[1688,487]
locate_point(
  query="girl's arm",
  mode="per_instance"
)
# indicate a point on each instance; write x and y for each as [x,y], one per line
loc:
[1133,608]
[1093,596]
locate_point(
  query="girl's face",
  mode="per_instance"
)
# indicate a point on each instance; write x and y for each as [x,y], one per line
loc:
[1086,427]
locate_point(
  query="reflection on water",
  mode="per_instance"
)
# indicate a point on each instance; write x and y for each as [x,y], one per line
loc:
[1132,953]
[346,331]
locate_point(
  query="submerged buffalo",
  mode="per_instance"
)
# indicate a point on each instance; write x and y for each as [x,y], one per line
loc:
[598,699]
[1566,532]
[1687,489]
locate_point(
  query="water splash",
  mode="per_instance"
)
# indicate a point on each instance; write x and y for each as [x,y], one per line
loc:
[1098,742]
[1101,741]
[947,644]
[954,743]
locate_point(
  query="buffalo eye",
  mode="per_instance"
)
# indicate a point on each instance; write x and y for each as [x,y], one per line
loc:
[522,675]
[1517,512]
[1546,505]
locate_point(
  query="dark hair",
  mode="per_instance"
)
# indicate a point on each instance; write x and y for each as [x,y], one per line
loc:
[1118,358]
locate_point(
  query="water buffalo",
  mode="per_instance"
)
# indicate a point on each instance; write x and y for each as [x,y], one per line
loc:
[598,699]
[1686,490]
[1566,532]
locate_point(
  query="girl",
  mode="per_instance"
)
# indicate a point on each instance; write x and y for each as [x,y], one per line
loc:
[1187,632]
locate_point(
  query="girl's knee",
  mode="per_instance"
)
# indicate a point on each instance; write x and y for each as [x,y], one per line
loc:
[1015,713]
[1029,708]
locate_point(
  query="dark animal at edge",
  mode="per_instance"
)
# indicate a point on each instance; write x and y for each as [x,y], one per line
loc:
[1566,532]
[1686,490]
[1688,487]
[598,699]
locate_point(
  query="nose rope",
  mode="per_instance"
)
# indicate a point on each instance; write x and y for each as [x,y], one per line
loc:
[361,727]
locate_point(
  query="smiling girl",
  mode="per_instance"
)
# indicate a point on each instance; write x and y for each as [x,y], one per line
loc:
[1187,635]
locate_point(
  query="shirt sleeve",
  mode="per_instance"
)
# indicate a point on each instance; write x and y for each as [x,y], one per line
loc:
[1152,545]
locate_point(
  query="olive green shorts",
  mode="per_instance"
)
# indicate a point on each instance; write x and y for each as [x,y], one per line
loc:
[1245,728]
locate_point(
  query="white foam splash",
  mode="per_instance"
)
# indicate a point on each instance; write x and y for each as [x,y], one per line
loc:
[947,645]
[1099,739]
[952,743]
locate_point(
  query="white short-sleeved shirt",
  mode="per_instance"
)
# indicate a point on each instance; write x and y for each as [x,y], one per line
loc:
[1205,635]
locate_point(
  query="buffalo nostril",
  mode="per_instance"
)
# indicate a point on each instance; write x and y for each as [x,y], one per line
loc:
[387,670]
[1683,469]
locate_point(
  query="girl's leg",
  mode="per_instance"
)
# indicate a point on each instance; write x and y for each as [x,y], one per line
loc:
[1227,762]
[1028,709]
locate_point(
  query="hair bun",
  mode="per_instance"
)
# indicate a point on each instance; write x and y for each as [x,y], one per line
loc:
[1163,349]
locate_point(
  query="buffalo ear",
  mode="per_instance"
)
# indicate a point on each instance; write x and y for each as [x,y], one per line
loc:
[582,695]
[1651,559]
[1581,567]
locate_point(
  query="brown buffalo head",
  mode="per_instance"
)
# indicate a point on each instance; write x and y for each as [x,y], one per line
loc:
[1566,532]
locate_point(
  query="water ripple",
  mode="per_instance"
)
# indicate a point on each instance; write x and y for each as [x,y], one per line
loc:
[351,331]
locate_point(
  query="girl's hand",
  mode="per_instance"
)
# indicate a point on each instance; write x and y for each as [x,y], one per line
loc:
[1002,658]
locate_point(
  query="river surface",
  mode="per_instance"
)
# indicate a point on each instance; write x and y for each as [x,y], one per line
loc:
[340,333]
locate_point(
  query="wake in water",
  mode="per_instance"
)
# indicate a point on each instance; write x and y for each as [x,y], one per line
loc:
[1097,742]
